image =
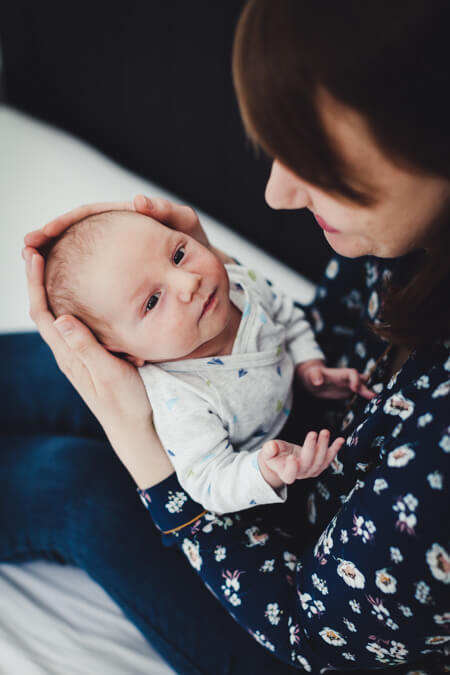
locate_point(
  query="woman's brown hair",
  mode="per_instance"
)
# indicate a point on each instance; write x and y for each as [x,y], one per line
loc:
[389,62]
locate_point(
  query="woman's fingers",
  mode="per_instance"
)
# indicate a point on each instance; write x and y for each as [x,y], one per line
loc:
[38,238]
[177,216]
[39,311]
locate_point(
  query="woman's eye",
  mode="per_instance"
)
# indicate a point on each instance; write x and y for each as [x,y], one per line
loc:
[179,255]
[152,302]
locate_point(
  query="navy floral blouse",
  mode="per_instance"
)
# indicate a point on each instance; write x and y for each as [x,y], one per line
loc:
[371,591]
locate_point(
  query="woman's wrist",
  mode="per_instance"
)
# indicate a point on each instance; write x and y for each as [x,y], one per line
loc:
[140,451]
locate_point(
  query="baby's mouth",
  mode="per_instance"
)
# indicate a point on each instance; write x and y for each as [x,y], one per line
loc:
[209,302]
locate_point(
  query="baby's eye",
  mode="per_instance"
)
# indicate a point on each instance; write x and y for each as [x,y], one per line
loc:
[152,301]
[179,255]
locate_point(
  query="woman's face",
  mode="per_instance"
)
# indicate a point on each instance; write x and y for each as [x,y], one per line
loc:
[408,203]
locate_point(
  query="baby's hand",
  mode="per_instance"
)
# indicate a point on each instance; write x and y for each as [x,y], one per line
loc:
[335,383]
[281,462]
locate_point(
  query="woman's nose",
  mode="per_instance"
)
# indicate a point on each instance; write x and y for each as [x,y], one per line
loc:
[284,190]
[187,285]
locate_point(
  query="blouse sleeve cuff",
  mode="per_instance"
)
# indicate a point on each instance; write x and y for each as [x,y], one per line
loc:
[170,506]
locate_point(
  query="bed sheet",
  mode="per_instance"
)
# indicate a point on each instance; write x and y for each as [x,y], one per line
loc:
[54,619]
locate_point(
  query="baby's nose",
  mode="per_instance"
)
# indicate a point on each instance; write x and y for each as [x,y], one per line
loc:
[189,285]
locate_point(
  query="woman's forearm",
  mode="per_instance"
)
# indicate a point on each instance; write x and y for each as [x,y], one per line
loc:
[141,452]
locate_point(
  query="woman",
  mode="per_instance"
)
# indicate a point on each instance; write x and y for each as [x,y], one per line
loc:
[348,99]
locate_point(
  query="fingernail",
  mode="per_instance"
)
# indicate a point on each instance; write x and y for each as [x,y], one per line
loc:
[23,253]
[63,326]
[149,203]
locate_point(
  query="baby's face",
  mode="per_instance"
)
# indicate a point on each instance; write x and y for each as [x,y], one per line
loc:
[164,295]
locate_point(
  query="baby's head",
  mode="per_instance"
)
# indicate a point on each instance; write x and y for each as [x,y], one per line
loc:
[148,292]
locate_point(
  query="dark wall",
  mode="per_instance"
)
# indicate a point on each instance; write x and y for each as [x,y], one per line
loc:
[149,83]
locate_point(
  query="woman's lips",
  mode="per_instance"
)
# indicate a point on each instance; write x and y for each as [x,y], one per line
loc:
[324,225]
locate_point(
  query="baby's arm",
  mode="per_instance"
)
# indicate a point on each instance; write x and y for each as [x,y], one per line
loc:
[282,463]
[334,383]
[197,442]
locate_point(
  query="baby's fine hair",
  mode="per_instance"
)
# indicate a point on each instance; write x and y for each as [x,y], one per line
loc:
[64,268]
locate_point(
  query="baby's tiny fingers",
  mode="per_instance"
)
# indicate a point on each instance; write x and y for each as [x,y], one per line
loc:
[365,392]
[288,474]
[353,379]
[269,450]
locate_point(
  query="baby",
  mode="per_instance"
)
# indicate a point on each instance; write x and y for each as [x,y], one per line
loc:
[216,346]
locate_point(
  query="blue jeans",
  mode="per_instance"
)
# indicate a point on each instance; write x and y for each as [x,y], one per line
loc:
[64,496]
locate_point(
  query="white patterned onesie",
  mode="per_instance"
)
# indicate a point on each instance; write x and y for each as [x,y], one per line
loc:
[214,414]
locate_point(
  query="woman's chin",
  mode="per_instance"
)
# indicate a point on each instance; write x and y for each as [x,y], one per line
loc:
[347,246]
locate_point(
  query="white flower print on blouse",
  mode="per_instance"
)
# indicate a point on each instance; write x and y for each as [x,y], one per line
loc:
[290,560]
[267,566]
[435,480]
[322,490]
[344,536]
[332,269]
[231,586]
[332,637]
[220,553]
[371,273]
[311,510]
[350,625]
[355,606]
[305,664]
[442,619]
[349,656]
[325,541]
[407,519]
[396,555]
[378,609]
[395,654]
[422,593]
[320,584]
[363,528]
[401,456]
[360,349]
[212,520]
[256,537]
[351,574]
[259,637]
[176,501]
[192,552]
[294,630]
[423,382]
[397,404]
[397,429]
[379,485]
[437,640]
[444,443]
[273,613]
[310,606]
[405,610]
[438,561]
[442,390]
[337,466]
[373,305]
[425,419]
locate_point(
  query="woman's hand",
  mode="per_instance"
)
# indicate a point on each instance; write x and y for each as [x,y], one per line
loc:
[111,387]
[177,216]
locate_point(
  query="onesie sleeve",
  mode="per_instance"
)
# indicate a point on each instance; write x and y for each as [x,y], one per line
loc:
[300,339]
[371,590]
[196,439]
